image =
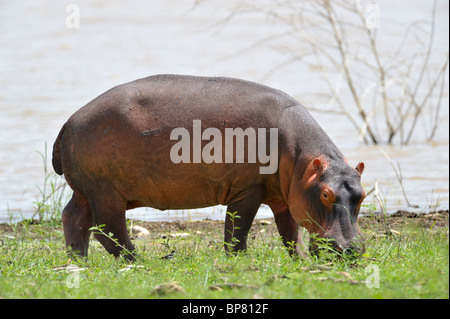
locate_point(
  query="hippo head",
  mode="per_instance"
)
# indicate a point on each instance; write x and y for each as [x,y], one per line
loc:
[326,201]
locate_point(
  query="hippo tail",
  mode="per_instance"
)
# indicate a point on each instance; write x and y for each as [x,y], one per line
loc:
[56,160]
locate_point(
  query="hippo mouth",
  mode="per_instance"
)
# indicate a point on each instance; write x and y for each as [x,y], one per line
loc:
[340,237]
[329,248]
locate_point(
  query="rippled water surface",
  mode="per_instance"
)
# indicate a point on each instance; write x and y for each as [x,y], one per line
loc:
[48,71]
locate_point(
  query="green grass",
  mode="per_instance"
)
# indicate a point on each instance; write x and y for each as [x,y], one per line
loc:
[412,264]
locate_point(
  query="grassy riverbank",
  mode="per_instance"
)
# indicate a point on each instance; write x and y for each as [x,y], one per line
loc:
[407,257]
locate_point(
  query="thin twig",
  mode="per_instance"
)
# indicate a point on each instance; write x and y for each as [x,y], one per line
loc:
[399,176]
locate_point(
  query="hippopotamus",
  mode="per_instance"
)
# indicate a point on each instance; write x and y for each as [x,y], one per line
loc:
[120,152]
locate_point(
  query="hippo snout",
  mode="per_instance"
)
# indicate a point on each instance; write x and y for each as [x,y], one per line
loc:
[353,249]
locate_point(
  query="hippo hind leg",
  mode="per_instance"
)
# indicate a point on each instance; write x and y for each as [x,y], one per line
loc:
[240,214]
[77,219]
[108,213]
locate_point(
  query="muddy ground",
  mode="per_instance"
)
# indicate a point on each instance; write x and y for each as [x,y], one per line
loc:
[376,222]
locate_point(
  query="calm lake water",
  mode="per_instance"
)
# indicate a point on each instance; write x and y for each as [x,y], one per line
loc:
[48,71]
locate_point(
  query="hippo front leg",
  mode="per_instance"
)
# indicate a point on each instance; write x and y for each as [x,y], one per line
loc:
[290,232]
[240,214]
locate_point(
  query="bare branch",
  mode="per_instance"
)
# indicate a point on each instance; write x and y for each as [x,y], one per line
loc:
[386,96]
[438,107]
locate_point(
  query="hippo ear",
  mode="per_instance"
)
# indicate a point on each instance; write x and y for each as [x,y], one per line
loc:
[319,165]
[360,168]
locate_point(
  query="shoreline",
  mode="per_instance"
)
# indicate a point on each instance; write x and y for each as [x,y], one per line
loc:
[388,223]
